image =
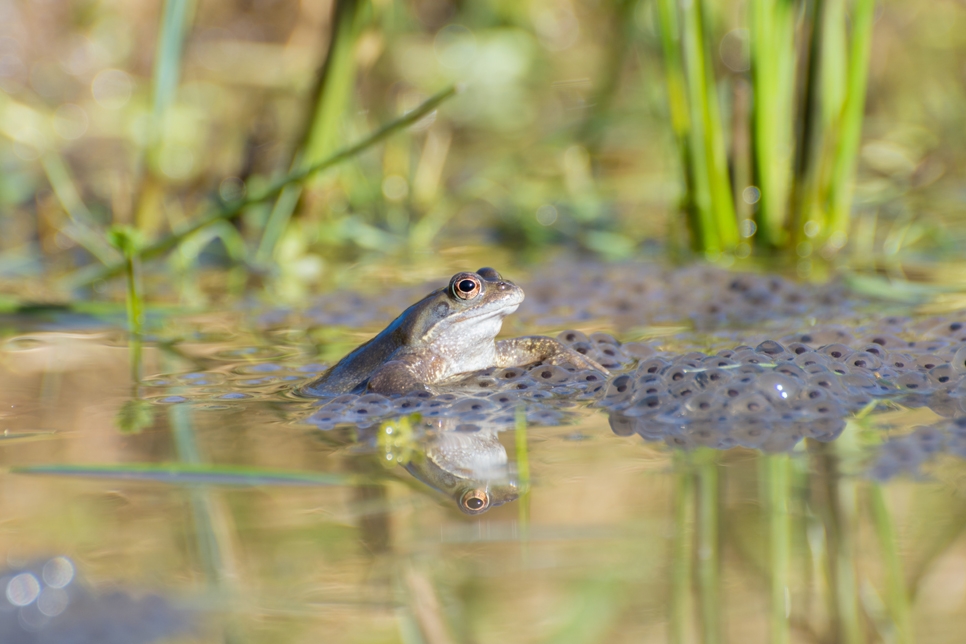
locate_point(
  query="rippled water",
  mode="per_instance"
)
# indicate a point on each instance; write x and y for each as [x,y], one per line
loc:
[764,460]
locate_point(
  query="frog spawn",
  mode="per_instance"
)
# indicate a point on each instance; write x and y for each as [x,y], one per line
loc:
[768,396]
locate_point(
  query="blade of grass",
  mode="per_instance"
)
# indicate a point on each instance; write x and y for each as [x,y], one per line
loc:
[332,95]
[678,107]
[717,226]
[850,132]
[231,210]
[188,474]
[773,82]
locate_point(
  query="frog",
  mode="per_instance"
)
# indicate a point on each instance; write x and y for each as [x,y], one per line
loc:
[449,333]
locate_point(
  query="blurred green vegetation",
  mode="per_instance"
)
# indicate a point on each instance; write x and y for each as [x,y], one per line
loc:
[577,130]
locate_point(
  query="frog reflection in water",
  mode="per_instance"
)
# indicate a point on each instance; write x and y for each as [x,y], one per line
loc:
[449,332]
[466,463]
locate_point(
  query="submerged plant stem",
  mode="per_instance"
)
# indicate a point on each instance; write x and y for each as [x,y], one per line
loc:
[897,597]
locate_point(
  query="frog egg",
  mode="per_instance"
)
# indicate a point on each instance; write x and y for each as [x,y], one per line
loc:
[550,374]
[504,398]
[928,361]
[814,409]
[618,390]
[886,341]
[947,329]
[622,425]
[750,431]
[771,348]
[825,380]
[750,403]
[913,381]
[717,362]
[791,371]
[407,403]
[683,389]
[876,350]
[777,387]
[863,360]
[653,365]
[726,353]
[638,350]
[928,346]
[901,362]
[572,337]
[807,360]
[943,374]
[649,384]
[797,348]
[859,382]
[472,405]
[752,357]
[703,405]
[325,419]
[732,390]
[590,377]
[815,392]
[646,405]
[837,352]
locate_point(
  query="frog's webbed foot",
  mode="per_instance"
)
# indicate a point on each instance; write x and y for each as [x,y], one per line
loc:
[539,348]
[395,377]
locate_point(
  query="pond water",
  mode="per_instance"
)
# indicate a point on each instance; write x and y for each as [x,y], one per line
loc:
[764,461]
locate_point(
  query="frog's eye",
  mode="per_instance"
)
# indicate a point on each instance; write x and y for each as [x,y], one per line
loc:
[474,502]
[466,287]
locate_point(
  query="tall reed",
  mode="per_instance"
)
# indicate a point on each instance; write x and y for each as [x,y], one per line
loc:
[808,72]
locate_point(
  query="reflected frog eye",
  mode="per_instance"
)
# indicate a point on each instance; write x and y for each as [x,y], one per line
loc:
[474,502]
[466,287]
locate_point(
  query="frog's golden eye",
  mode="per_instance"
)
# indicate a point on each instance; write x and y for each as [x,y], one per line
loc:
[466,287]
[474,502]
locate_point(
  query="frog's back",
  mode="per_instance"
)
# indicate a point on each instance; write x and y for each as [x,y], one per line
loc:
[351,374]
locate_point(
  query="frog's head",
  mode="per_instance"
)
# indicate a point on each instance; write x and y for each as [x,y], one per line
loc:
[468,311]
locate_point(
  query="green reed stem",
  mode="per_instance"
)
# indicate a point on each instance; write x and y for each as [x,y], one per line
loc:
[682,551]
[850,133]
[717,226]
[776,493]
[897,597]
[707,542]
[331,96]
[678,106]
[773,80]
[231,210]
[128,241]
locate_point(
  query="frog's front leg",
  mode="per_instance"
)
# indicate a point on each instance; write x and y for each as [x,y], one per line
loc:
[396,377]
[536,348]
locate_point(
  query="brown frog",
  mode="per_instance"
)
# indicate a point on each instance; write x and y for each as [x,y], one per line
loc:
[449,332]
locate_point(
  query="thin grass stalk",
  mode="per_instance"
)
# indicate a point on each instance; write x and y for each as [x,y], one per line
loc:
[776,491]
[330,98]
[227,211]
[773,81]
[682,551]
[850,133]
[897,597]
[678,106]
[707,515]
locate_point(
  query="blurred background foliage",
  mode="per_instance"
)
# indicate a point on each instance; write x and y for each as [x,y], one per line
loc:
[146,115]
